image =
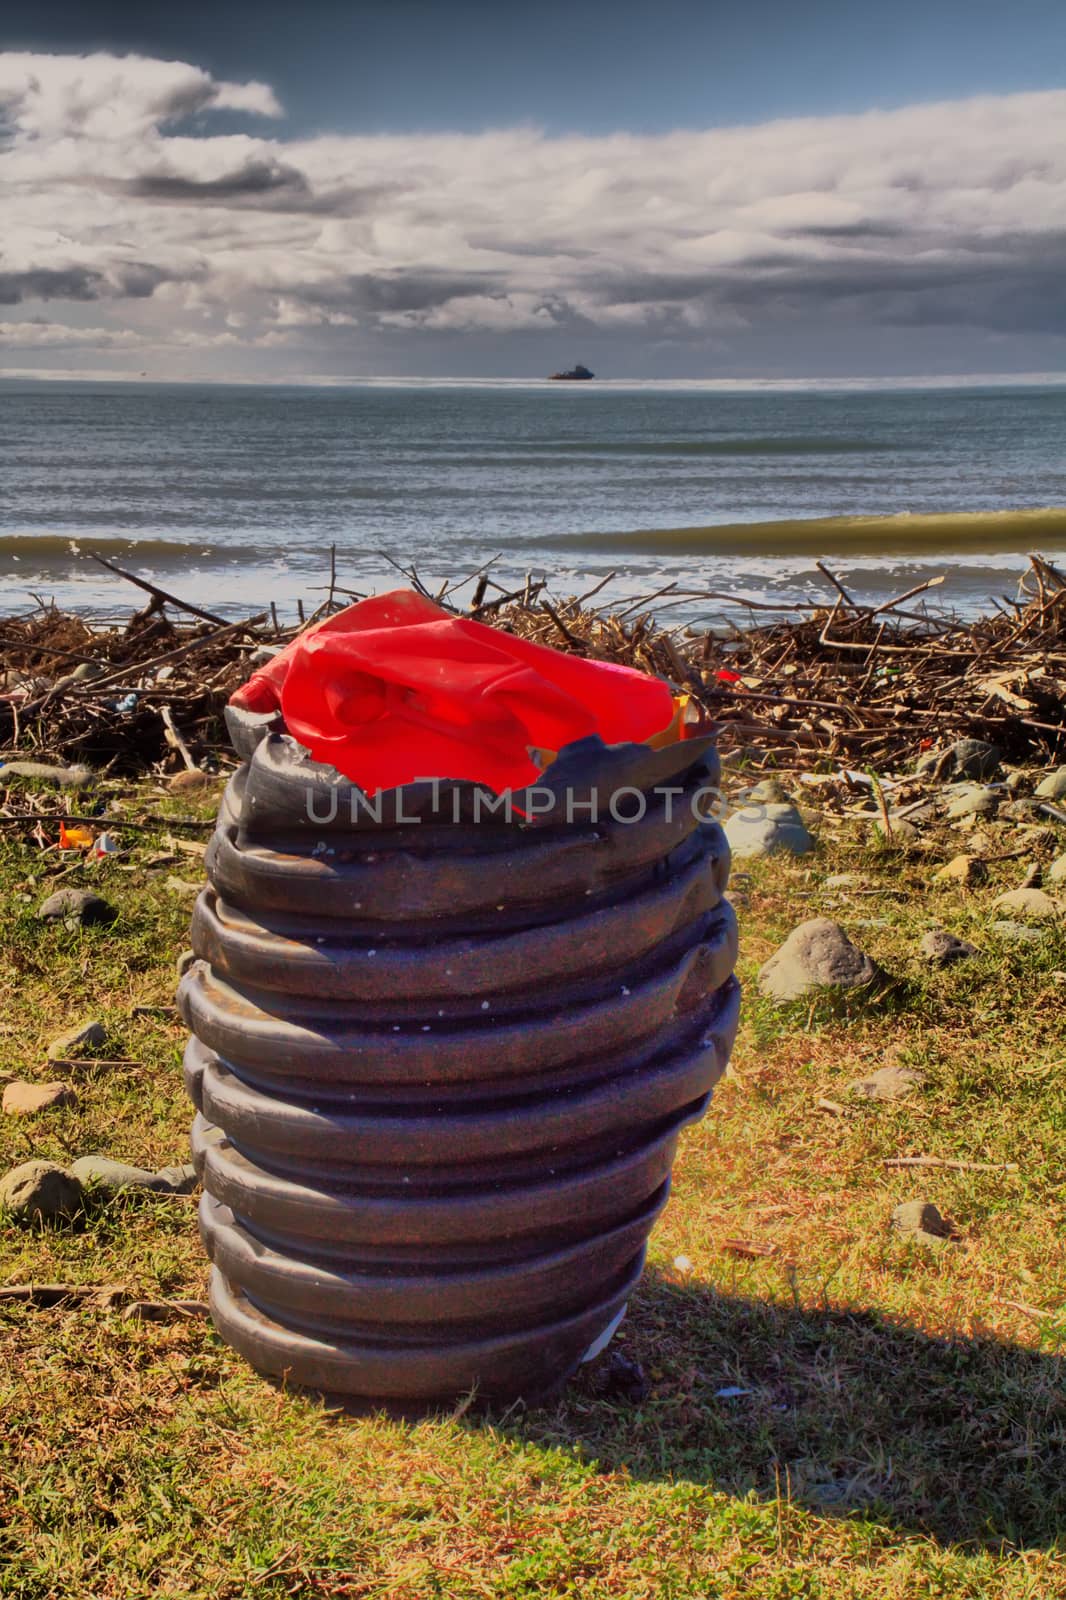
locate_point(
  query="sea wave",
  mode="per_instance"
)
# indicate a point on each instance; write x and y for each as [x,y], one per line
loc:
[45,552]
[902,534]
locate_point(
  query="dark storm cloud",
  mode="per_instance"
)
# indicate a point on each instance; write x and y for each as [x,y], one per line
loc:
[255,181]
[46,283]
[937,215]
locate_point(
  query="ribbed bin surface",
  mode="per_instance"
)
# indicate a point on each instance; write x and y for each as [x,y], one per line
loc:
[440,1069]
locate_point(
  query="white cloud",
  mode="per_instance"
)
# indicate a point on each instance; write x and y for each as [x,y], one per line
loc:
[934,215]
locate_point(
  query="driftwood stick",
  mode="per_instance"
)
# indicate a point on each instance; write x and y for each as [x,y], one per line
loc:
[160,595]
[174,738]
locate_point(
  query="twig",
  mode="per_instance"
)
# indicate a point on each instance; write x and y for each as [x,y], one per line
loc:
[174,738]
[161,595]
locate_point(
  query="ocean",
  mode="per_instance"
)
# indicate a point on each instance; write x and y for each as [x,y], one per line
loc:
[231,496]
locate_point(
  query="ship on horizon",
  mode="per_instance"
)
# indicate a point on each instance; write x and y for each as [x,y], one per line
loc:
[576,374]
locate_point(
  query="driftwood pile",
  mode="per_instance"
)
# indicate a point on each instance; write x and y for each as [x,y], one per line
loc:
[841,683]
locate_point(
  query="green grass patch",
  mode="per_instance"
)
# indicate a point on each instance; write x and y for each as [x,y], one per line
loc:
[900,1428]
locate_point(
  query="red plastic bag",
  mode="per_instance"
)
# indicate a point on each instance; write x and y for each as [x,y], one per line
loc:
[393,689]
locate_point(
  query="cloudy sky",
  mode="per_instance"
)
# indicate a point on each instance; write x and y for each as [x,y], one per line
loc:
[467,187]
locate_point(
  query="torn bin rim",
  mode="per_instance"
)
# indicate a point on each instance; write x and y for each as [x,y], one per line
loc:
[394,688]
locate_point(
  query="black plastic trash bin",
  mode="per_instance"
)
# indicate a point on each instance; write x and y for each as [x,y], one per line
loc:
[441,1066]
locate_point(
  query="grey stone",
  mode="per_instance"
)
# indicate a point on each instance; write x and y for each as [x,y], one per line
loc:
[816,955]
[973,801]
[1056,873]
[23,1099]
[100,1172]
[1033,904]
[900,829]
[1017,781]
[40,1191]
[920,1220]
[1053,786]
[846,880]
[766,829]
[75,777]
[1021,810]
[182,887]
[942,947]
[888,1083]
[1017,932]
[88,1036]
[79,905]
[966,758]
[768,792]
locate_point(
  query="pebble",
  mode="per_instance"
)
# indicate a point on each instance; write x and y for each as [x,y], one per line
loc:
[768,792]
[816,955]
[1034,904]
[1017,932]
[966,758]
[88,1036]
[182,887]
[901,830]
[974,801]
[40,1191]
[888,1083]
[100,1172]
[942,947]
[846,880]
[920,1220]
[76,906]
[1052,786]
[189,781]
[1057,871]
[964,869]
[767,830]
[23,1099]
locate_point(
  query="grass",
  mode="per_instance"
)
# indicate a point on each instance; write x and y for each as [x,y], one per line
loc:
[902,1426]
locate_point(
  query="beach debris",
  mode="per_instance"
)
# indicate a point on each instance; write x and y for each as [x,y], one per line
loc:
[966,870]
[40,1191]
[966,758]
[942,948]
[22,1099]
[890,1082]
[1034,905]
[102,1173]
[76,907]
[816,955]
[75,777]
[1052,786]
[861,685]
[921,1221]
[76,1041]
[766,829]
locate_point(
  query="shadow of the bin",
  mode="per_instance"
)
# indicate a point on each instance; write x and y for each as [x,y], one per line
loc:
[845,1412]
